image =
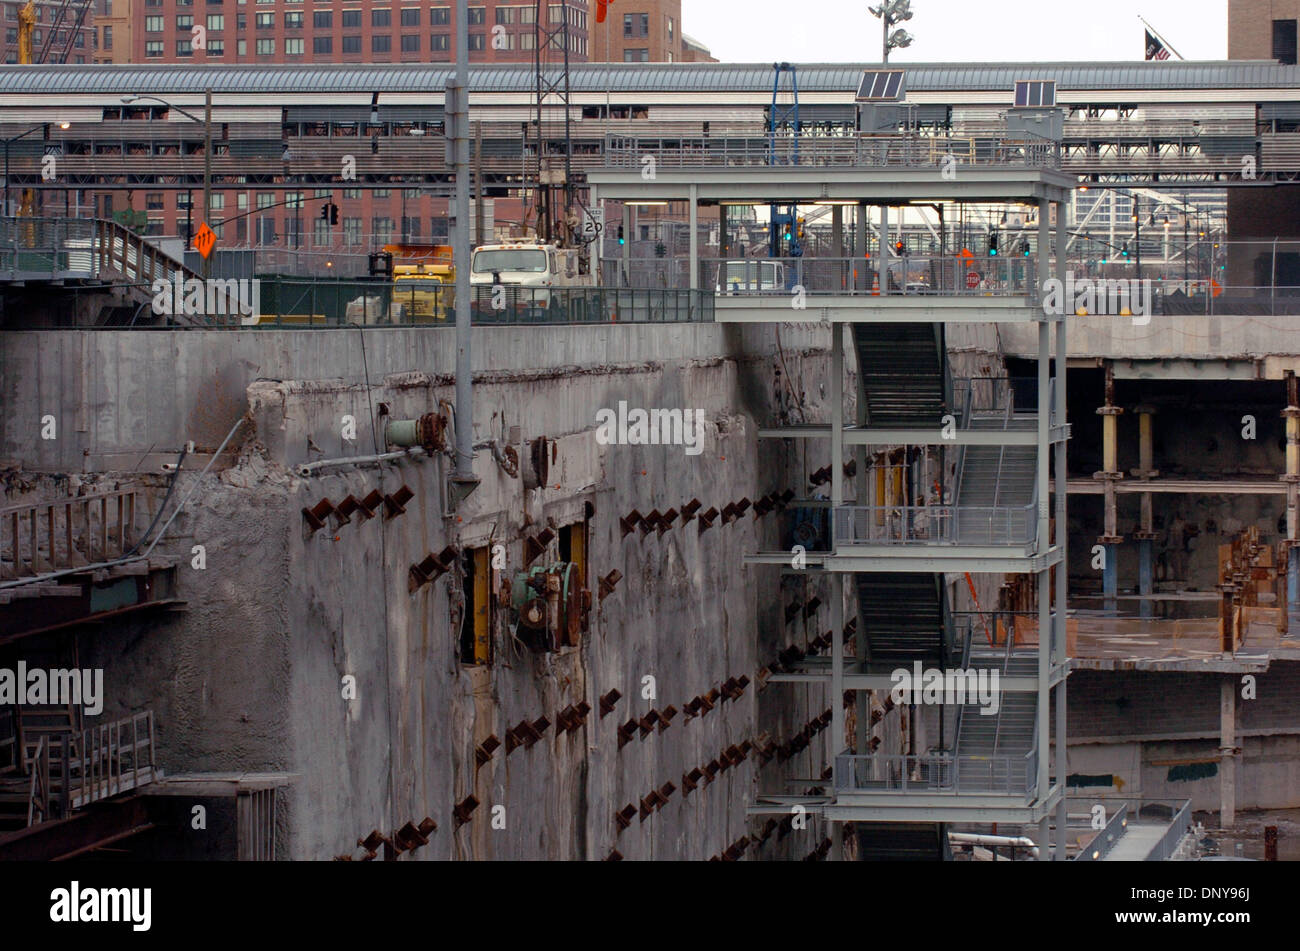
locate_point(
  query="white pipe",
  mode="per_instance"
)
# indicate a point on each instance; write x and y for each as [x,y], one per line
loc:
[969,838]
[309,468]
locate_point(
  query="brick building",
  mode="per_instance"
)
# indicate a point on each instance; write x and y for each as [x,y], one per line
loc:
[353,31]
[645,31]
[1263,29]
[325,31]
[57,34]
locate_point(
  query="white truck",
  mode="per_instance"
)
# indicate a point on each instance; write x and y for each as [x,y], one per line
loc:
[528,271]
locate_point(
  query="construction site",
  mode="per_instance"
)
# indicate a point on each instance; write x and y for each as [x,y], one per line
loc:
[775,462]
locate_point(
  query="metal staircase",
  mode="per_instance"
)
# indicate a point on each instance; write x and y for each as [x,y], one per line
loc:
[903,842]
[905,619]
[902,377]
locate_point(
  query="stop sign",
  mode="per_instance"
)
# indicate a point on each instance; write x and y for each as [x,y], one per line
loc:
[972,280]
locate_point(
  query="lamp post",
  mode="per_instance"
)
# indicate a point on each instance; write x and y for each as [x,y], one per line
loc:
[44,127]
[891,13]
[206,121]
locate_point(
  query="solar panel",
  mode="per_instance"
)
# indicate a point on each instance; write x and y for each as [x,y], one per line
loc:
[882,84]
[1036,93]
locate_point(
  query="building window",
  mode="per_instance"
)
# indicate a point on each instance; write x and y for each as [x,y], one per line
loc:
[527,41]
[1284,42]
[293,21]
[216,22]
[381,193]
[440,16]
[107,41]
[265,199]
[476,41]
[636,24]
[411,16]
[505,15]
[218,200]
[352,44]
[476,624]
[381,44]
[153,24]
[381,18]
[528,15]
[636,56]
[410,43]
[351,18]
[322,44]
[351,230]
[241,47]
[352,193]
[477,16]
[293,46]
[507,38]
[381,227]
[183,48]
[184,22]
[320,233]
[322,19]
[265,21]
[439,41]
[153,201]
[670,29]
[215,48]
[265,47]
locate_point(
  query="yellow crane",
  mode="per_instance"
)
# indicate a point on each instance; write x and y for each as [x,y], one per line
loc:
[26,26]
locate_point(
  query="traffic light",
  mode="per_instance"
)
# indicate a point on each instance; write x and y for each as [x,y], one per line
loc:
[1024,247]
[900,248]
[325,212]
[1124,250]
[993,244]
[800,224]
[621,239]
[330,213]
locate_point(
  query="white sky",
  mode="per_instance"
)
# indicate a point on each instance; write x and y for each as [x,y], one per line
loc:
[810,31]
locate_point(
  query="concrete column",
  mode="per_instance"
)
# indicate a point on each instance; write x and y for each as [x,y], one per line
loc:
[1292,479]
[837,418]
[837,238]
[695,237]
[1227,753]
[860,250]
[1109,475]
[883,265]
[1062,573]
[837,665]
[1146,471]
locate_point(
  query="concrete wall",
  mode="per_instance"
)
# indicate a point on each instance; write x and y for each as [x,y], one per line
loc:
[1131,725]
[251,676]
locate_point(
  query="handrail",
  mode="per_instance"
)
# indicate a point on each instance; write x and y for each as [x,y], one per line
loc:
[1106,837]
[38,797]
[67,532]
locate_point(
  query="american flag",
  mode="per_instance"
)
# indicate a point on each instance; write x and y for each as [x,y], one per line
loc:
[1155,49]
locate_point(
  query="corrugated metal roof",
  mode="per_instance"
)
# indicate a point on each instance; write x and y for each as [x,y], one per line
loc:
[633,77]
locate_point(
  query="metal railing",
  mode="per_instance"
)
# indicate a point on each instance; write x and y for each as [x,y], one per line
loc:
[937,773]
[849,151]
[1100,845]
[1179,826]
[911,275]
[107,760]
[935,525]
[38,796]
[66,533]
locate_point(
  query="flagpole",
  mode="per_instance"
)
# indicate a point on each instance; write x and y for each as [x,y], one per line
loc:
[1156,33]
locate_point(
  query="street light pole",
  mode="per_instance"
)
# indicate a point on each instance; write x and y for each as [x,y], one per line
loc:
[207,164]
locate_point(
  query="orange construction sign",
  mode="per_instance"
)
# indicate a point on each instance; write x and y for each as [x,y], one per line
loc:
[205,239]
[1215,288]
